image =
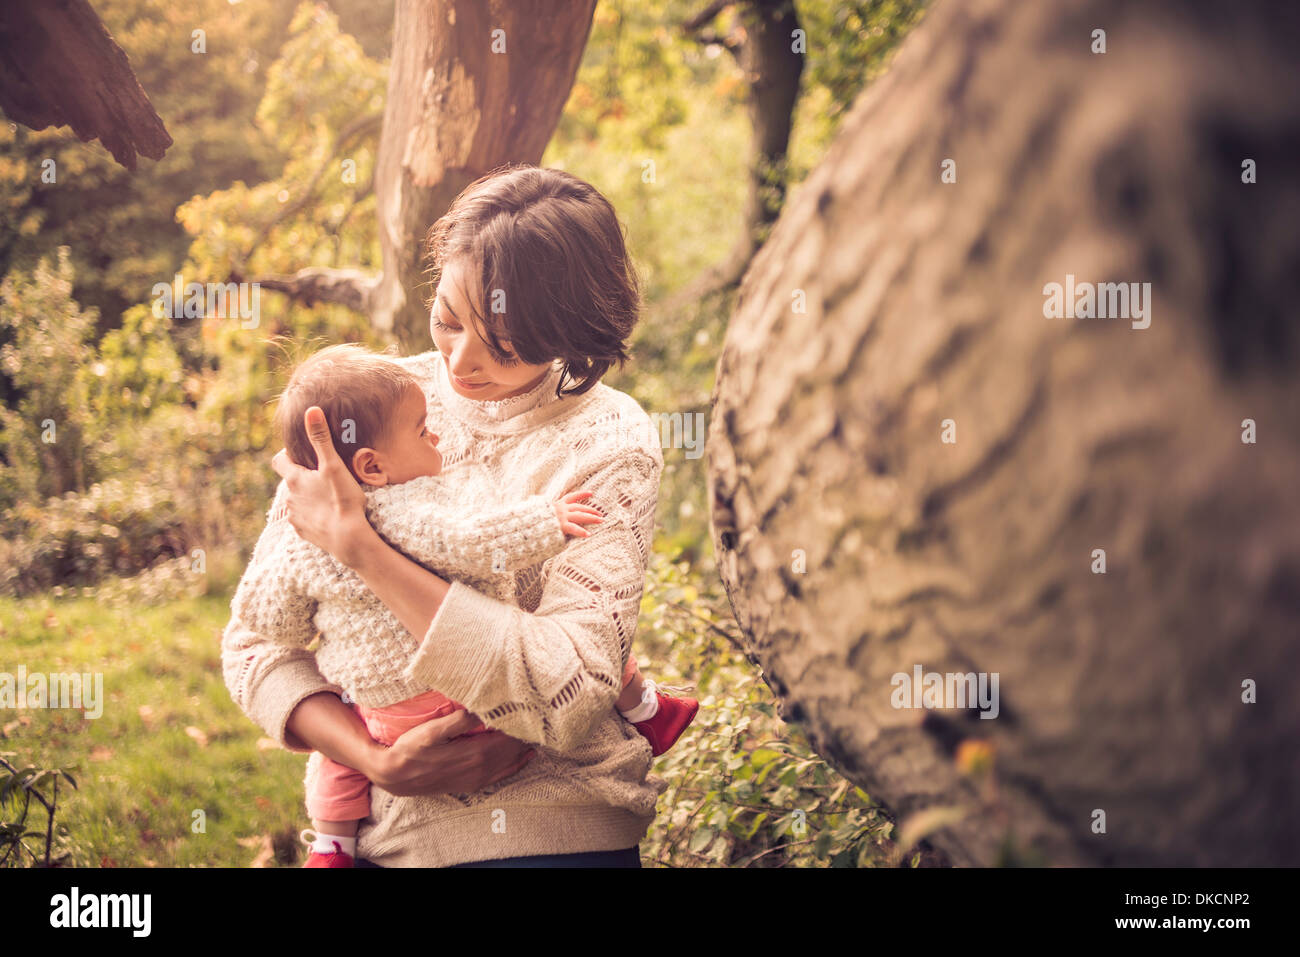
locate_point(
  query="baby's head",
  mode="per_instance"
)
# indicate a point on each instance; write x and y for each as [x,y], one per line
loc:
[375,410]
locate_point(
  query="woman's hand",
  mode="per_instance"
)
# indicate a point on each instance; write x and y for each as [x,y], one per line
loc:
[326,505]
[439,757]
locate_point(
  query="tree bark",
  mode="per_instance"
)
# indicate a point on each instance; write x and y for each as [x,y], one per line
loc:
[456,110]
[60,67]
[855,543]
[472,86]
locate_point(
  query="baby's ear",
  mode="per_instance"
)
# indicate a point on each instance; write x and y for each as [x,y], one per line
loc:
[368,468]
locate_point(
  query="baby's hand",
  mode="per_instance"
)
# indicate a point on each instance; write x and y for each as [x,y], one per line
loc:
[573,516]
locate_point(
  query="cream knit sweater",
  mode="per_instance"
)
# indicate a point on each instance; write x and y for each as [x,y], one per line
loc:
[292,588]
[544,666]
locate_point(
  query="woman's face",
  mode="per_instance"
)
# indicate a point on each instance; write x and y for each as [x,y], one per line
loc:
[469,359]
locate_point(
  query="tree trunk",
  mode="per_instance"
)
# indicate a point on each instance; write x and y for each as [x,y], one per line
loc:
[763,45]
[856,543]
[472,86]
[455,110]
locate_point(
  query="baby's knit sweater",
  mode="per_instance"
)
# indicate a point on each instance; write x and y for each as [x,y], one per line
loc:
[544,666]
[292,588]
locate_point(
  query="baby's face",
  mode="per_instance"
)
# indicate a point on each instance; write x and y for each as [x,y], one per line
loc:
[410,450]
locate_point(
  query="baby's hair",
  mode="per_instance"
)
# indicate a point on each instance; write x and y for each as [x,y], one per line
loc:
[357,389]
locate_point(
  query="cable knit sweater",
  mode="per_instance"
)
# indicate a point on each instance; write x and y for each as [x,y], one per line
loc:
[292,588]
[544,665]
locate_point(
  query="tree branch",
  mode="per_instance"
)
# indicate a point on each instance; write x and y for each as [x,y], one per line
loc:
[346,287]
[60,66]
[360,126]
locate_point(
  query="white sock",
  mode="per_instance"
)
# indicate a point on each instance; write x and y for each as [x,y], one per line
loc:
[324,844]
[647,709]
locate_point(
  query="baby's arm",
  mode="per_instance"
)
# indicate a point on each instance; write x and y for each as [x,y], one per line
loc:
[271,599]
[494,539]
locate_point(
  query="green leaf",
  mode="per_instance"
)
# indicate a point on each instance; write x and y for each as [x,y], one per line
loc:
[845,858]
[762,774]
[701,839]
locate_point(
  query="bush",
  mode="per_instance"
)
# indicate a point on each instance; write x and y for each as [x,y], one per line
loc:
[43,439]
[115,528]
[745,787]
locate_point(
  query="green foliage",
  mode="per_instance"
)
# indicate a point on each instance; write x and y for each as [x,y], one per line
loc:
[116,528]
[78,504]
[321,107]
[652,121]
[121,226]
[18,787]
[179,410]
[745,789]
[44,440]
[849,45]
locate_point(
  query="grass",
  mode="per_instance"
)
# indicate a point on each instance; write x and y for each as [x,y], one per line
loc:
[170,741]
[171,751]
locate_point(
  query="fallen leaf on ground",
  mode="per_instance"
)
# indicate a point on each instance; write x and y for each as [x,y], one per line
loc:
[146,714]
[267,744]
[101,753]
[198,735]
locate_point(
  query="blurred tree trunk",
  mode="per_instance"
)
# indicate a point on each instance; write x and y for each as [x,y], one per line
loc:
[763,42]
[891,310]
[472,86]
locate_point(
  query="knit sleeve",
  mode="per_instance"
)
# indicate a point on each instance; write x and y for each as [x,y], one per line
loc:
[551,675]
[459,543]
[270,598]
[264,658]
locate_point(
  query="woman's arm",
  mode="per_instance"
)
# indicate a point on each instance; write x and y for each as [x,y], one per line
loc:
[545,677]
[552,675]
[432,758]
[280,688]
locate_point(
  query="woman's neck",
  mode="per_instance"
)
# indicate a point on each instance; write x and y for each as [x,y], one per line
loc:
[527,388]
[479,412]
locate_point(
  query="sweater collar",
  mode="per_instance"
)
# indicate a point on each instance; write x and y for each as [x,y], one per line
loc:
[478,412]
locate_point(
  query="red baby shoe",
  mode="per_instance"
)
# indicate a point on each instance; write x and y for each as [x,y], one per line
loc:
[673,717]
[336,858]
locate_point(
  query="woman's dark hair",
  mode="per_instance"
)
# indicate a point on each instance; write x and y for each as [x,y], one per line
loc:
[551,255]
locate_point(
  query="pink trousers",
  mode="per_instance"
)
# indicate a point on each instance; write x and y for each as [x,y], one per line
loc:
[342,793]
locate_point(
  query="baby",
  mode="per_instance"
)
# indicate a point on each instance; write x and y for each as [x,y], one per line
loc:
[293,589]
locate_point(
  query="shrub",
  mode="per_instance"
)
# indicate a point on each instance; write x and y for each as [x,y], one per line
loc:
[115,528]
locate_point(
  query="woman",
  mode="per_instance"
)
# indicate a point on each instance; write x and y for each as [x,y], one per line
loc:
[535,299]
